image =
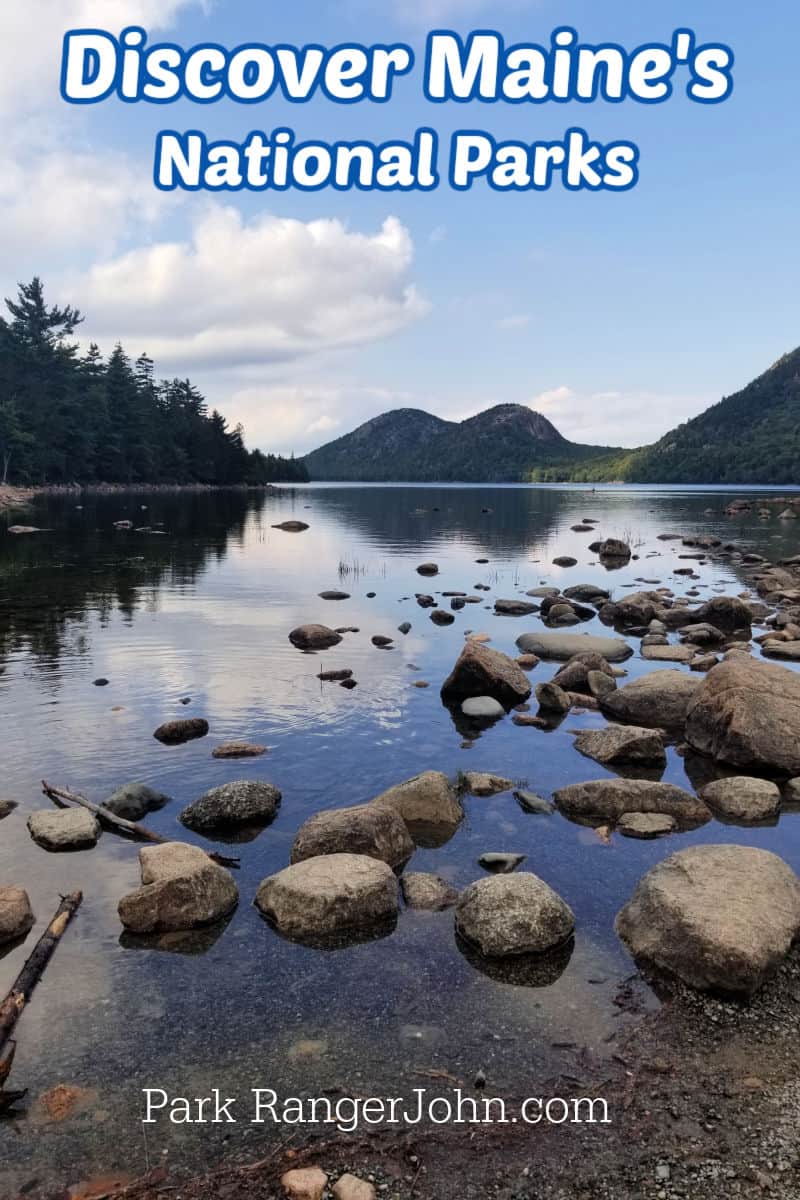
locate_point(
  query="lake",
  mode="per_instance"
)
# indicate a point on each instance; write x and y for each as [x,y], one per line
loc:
[201,610]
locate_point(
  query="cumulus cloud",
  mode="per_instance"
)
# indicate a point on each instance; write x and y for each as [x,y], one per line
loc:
[628,418]
[248,292]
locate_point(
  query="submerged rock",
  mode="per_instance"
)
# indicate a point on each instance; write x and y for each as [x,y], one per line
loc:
[64,829]
[16,914]
[530,802]
[329,894]
[133,801]
[513,914]
[483,708]
[375,830]
[241,802]
[743,798]
[501,863]
[333,594]
[185,729]
[622,745]
[658,700]
[563,646]
[238,750]
[747,713]
[481,671]
[430,892]
[314,637]
[181,888]
[645,825]
[717,917]
[610,798]
[292,526]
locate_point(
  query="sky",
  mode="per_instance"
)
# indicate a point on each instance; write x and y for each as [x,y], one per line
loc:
[302,315]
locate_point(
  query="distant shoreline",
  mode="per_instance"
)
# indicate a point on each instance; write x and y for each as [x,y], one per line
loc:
[20,497]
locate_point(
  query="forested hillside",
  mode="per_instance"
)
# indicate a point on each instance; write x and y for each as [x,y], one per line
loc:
[69,417]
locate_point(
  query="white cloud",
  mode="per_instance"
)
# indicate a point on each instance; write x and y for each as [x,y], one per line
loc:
[264,291]
[622,418]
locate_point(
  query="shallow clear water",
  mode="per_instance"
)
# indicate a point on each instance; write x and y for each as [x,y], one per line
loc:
[204,611]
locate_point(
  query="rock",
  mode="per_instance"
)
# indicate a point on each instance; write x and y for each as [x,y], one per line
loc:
[574,675]
[304,1183]
[101,682]
[427,798]
[381,641]
[531,803]
[586,591]
[717,917]
[702,634]
[528,662]
[335,676]
[241,802]
[18,529]
[374,830]
[172,733]
[645,825]
[292,526]
[64,829]
[552,698]
[614,548]
[483,708]
[334,595]
[133,801]
[404,628]
[725,612]
[513,914]
[564,560]
[425,601]
[680,654]
[16,915]
[563,646]
[657,700]
[703,662]
[747,713]
[328,895]
[544,592]
[501,864]
[349,684]
[481,671]
[514,608]
[742,798]
[788,651]
[479,783]
[622,745]
[238,750]
[314,637]
[181,889]
[351,1188]
[428,569]
[610,798]
[6,808]
[424,891]
[440,616]
[600,684]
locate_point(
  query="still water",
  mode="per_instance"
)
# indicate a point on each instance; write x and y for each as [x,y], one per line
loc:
[203,610]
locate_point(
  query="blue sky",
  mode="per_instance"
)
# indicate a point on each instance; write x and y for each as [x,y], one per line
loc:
[617,315]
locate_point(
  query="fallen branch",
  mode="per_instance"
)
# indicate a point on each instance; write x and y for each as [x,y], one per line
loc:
[64,798]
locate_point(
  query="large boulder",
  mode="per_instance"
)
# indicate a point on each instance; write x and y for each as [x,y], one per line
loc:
[513,914]
[64,829]
[314,637]
[328,895]
[481,671]
[133,801]
[16,915]
[747,713]
[725,612]
[560,647]
[637,608]
[742,798]
[658,700]
[608,799]
[181,889]
[241,802]
[717,917]
[622,745]
[374,830]
[428,798]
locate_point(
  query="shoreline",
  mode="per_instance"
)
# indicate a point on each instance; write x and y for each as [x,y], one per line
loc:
[12,497]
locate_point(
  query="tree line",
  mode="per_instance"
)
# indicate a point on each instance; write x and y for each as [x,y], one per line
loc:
[72,417]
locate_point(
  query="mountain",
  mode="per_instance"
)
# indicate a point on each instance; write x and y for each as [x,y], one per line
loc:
[750,437]
[506,444]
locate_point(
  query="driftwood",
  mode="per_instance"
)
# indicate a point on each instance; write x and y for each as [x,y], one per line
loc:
[14,1003]
[63,798]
